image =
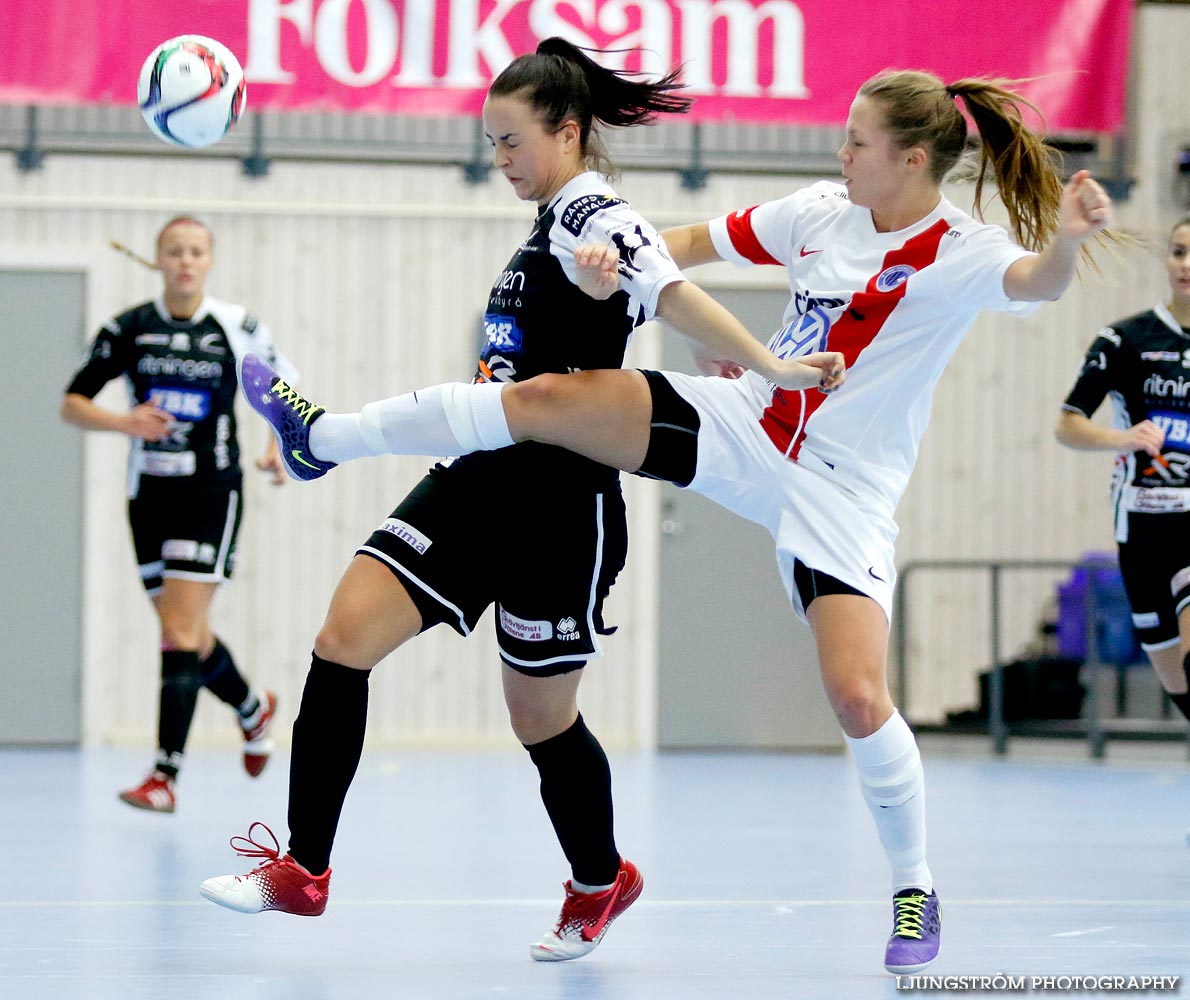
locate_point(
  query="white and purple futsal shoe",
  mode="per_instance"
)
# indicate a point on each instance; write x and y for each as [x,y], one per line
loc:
[917,932]
[287,413]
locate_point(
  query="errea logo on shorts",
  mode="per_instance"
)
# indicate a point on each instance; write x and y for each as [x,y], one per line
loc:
[526,631]
[568,629]
[407,533]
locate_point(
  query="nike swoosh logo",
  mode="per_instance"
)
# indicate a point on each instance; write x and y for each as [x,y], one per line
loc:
[298,458]
[872,574]
[591,933]
[806,253]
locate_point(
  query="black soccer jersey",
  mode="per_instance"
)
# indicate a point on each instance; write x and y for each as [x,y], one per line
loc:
[538,320]
[1143,364]
[185,367]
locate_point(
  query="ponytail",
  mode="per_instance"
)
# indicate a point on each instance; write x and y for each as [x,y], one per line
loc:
[562,83]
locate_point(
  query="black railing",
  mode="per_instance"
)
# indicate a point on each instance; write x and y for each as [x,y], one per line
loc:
[1092,725]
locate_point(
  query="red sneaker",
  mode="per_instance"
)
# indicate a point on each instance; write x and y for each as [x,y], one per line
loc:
[257,742]
[277,883]
[155,793]
[586,916]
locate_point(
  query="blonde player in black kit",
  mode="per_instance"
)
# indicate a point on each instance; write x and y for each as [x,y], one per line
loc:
[177,354]
[1143,364]
[420,569]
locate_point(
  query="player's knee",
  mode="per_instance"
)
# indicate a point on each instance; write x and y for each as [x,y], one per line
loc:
[859,706]
[531,406]
[179,633]
[534,722]
[338,643]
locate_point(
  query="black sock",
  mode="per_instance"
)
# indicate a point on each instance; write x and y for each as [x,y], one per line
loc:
[225,682]
[576,787]
[328,738]
[1182,701]
[180,681]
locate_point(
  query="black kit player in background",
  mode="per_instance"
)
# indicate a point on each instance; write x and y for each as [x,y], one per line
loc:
[1143,364]
[177,355]
[560,517]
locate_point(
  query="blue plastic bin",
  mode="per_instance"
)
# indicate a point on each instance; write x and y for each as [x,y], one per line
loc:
[1117,640]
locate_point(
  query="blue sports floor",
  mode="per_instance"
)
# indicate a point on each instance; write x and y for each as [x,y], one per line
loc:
[764,879]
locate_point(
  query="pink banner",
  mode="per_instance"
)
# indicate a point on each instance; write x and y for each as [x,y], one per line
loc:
[749,60]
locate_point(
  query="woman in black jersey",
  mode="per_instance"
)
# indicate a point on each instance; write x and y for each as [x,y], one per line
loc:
[421,568]
[177,355]
[1143,364]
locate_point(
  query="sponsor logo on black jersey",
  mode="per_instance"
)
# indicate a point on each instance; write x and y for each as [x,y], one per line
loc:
[153,339]
[179,367]
[510,281]
[1160,356]
[212,343]
[581,209]
[1155,385]
[503,332]
[181,404]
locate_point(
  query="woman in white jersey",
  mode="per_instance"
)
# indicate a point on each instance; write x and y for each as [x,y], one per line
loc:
[882,268]
[419,568]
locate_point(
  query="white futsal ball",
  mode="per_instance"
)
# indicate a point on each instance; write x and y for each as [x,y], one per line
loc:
[191,91]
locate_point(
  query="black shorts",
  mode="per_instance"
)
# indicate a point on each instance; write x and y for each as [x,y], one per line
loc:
[672,454]
[546,556]
[1155,565]
[184,534]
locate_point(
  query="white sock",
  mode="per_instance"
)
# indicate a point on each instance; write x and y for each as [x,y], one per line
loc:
[893,785]
[589,889]
[337,437]
[455,418]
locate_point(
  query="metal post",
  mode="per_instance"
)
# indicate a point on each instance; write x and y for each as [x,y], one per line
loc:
[476,170]
[256,164]
[1096,737]
[996,681]
[30,157]
[694,177]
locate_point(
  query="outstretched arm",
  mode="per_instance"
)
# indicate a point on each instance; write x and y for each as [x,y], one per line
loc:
[691,311]
[720,340]
[1086,210]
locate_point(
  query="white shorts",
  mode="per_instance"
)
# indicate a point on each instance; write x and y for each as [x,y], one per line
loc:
[811,514]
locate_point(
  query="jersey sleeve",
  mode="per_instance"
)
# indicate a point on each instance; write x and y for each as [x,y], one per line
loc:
[1098,374]
[645,264]
[976,267]
[106,359]
[768,233]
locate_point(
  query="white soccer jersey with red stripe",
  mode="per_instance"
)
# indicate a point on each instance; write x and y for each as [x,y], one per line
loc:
[895,304]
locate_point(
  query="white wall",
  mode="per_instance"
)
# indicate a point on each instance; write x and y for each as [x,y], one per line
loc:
[373,279]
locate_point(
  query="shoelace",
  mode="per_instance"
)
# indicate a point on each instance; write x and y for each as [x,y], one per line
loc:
[575,899]
[910,914]
[252,849]
[286,393]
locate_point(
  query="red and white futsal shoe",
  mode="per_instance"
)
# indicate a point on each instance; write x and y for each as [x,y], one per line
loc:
[586,916]
[277,883]
[258,744]
[156,794]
